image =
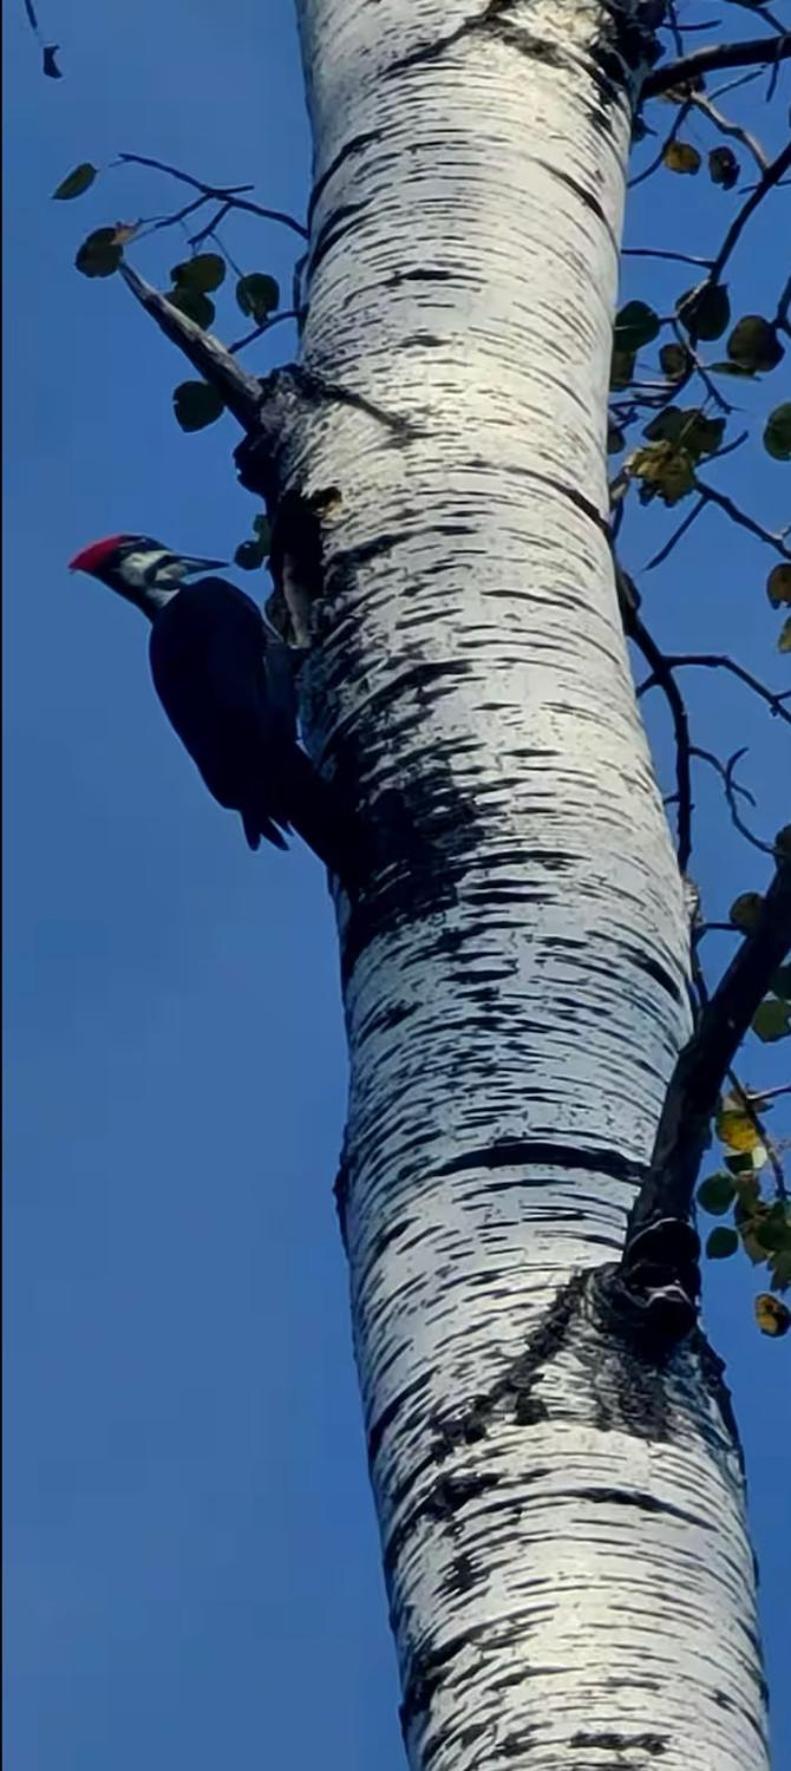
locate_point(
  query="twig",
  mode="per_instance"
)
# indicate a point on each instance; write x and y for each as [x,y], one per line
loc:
[771,1094]
[658,559]
[207,231]
[220,193]
[763,51]
[708,756]
[288,313]
[767,848]
[677,124]
[735,130]
[653,252]
[717,661]
[712,496]
[774,172]
[781,321]
[638,632]
[691,1099]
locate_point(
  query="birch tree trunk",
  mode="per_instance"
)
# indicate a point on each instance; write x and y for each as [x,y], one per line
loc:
[562,1518]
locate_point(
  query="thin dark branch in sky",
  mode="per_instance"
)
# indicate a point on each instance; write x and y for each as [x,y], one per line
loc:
[774,172]
[718,661]
[712,496]
[48,50]
[230,194]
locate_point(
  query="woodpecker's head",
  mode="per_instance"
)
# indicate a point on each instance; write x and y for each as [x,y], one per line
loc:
[140,569]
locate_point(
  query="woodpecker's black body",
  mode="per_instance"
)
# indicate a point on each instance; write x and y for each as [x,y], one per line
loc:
[226,684]
[208,655]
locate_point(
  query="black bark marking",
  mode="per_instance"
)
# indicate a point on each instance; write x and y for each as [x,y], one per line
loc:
[427,274]
[583,196]
[339,223]
[635,1497]
[536,1153]
[653,1744]
[355,145]
[447,1497]
[576,498]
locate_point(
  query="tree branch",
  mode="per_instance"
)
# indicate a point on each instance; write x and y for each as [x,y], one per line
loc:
[703,1065]
[240,391]
[763,51]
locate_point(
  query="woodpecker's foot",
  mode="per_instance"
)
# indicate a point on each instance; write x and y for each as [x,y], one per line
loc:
[659,1277]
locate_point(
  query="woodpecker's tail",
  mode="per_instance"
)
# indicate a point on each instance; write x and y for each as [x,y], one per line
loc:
[317,812]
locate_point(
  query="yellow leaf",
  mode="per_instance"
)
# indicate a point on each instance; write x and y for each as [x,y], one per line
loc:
[778,585]
[680,156]
[736,1129]
[772,1315]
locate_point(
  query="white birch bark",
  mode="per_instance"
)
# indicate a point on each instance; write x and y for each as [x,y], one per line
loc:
[565,1549]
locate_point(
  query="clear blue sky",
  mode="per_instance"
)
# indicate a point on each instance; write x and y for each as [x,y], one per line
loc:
[190,1539]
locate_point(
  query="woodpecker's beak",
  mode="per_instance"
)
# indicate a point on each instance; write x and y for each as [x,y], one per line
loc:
[192,566]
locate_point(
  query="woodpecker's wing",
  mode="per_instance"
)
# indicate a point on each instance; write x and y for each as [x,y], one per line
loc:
[207,654]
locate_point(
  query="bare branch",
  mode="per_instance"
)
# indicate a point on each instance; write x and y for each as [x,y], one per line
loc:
[230,194]
[762,51]
[697,1079]
[772,176]
[654,252]
[658,559]
[711,495]
[719,661]
[734,130]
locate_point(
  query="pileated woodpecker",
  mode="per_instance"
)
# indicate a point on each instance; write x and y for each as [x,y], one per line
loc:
[226,684]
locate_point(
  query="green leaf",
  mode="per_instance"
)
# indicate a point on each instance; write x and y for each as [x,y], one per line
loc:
[675,361]
[781,982]
[689,428]
[780,1269]
[204,272]
[635,326]
[754,345]
[772,1020]
[621,370]
[616,441]
[784,639]
[250,555]
[774,1231]
[716,1194]
[723,168]
[745,910]
[196,404]
[194,304]
[705,311]
[258,296]
[778,585]
[680,156]
[777,433]
[100,254]
[78,181]
[721,1243]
